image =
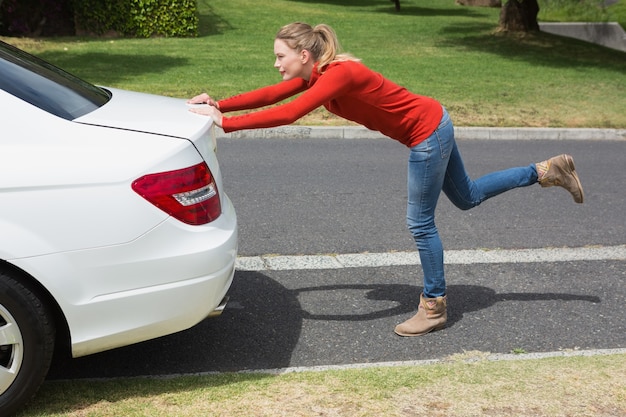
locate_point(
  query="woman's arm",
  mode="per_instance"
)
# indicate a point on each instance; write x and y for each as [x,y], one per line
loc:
[333,83]
[250,100]
[263,96]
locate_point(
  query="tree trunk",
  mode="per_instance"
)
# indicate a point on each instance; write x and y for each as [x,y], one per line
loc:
[519,16]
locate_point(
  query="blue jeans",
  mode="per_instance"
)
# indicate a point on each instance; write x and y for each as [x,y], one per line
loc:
[435,165]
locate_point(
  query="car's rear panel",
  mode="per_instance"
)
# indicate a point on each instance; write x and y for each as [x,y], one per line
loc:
[167,280]
[121,269]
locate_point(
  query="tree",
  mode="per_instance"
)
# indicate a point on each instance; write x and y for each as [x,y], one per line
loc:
[519,16]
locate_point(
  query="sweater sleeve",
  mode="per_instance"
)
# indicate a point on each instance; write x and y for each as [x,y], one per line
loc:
[263,96]
[333,83]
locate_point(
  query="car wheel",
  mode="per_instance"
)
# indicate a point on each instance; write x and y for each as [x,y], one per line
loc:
[26,343]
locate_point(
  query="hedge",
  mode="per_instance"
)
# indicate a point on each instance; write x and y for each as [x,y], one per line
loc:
[137,18]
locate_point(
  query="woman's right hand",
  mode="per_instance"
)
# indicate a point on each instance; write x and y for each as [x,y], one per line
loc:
[203,98]
[209,111]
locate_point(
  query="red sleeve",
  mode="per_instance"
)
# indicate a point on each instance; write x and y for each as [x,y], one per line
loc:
[333,83]
[263,96]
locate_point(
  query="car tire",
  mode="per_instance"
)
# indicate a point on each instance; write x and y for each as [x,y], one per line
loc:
[26,343]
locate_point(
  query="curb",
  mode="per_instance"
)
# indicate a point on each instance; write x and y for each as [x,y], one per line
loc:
[471,133]
[466,357]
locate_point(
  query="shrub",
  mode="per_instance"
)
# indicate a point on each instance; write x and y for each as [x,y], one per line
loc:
[140,18]
[100,17]
[163,17]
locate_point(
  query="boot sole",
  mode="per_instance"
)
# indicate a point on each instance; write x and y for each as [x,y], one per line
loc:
[572,171]
[420,334]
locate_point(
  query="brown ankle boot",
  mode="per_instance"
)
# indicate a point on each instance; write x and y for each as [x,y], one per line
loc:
[560,171]
[431,315]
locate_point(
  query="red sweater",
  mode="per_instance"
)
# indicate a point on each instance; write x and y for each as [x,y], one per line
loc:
[348,89]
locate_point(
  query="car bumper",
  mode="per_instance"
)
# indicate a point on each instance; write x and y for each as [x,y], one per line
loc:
[165,281]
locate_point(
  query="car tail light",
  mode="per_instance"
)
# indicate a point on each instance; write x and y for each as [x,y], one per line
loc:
[190,194]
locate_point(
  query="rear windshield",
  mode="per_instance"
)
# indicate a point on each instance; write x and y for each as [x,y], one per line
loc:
[46,86]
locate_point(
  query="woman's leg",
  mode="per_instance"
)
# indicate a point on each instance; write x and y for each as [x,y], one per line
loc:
[426,174]
[436,165]
[427,168]
[466,193]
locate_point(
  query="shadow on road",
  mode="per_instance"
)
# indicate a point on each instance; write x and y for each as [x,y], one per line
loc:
[463,298]
[262,326]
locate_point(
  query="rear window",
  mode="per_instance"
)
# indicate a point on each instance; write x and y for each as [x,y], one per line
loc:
[46,86]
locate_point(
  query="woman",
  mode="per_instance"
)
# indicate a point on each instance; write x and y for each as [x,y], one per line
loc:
[308,61]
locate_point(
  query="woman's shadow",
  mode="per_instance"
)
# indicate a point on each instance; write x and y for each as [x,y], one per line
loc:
[465,298]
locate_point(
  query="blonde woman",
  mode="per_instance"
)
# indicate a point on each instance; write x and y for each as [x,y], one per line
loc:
[309,62]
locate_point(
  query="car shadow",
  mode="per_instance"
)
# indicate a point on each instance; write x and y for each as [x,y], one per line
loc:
[258,329]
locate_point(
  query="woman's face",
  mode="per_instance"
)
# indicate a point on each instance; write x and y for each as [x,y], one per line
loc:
[291,63]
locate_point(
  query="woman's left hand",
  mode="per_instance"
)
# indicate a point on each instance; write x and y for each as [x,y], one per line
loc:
[209,111]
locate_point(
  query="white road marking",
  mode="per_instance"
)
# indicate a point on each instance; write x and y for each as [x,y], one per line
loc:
[474,256]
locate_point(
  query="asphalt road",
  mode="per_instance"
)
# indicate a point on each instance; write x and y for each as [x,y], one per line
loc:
[329,196]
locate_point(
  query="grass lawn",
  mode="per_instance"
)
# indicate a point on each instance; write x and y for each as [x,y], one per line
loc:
[464,385]
[583,11]
[433,47]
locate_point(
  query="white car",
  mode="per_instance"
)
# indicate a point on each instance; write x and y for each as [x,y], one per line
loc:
[114,224]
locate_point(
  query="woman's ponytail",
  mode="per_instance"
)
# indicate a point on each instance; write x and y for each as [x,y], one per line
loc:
[321,41]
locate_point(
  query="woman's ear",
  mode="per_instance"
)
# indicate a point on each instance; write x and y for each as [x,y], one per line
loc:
[305,56]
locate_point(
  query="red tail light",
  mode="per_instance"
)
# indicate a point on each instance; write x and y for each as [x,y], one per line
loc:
[190,194]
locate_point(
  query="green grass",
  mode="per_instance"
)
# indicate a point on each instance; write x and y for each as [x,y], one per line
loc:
[432,47]
[582,11]
[617,13]
[465,385]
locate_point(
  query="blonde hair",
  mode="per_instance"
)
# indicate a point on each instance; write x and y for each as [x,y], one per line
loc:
[321,41]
